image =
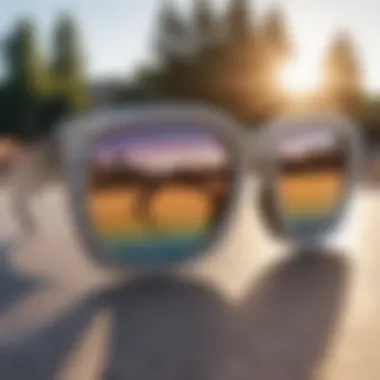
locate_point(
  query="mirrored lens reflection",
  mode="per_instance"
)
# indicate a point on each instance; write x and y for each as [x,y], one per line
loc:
[157,192]
[311,178]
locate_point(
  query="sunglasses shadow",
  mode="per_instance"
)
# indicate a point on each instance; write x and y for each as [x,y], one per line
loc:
[165,328]
[291,316]
[162,329]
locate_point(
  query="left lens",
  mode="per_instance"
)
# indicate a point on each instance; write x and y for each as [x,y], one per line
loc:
[157,192]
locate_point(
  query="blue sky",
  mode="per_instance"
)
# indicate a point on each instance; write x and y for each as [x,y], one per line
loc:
[117,33]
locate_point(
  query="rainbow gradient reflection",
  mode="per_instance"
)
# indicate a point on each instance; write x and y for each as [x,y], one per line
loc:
[310,182]
[156,191]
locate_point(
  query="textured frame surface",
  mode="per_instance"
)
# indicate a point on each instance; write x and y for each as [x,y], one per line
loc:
[78,138]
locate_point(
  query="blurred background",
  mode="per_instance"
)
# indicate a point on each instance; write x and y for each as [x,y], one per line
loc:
[253,59]
[255,310]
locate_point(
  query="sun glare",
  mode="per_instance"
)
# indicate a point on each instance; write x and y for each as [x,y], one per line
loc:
[299,78]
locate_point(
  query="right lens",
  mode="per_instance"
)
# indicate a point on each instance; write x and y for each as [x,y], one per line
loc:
[157,192]
[312,176]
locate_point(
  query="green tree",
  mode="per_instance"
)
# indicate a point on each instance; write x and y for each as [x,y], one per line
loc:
[24,63]
[275,48]
[27,80]
[204,63]
[172,38]
[68,93]
[8,112]
[143,87]
[67,66]
[342,77]
[274,34]
[238,20]
[171,31]
[236,71]
[204,22]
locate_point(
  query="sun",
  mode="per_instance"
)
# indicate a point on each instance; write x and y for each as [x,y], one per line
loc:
[299,78]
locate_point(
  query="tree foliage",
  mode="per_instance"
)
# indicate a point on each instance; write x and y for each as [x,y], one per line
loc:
[67,66]
[238,20]
[230,59]
[27,83]
[233,61]
[342,77]
[35,94]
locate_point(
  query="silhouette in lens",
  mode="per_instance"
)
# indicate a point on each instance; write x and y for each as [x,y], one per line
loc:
[211,183]
[310,181]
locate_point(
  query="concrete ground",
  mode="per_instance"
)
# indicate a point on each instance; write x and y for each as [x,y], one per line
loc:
[251,309]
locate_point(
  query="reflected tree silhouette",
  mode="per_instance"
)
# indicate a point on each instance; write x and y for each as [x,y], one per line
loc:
[213,184]
[292,314]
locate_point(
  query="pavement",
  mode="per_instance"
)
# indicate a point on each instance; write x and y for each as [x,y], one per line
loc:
[249,309]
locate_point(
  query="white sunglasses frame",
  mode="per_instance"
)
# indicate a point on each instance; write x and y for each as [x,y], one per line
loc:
[76,138]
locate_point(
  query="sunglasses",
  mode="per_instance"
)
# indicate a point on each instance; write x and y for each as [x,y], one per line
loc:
[159,184]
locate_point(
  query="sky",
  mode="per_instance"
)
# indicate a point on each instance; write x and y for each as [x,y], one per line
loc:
[117,34]
[154,150]
[296,146]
